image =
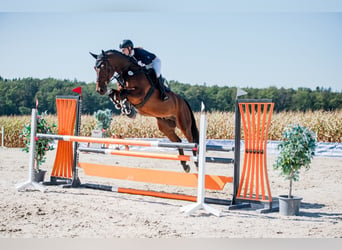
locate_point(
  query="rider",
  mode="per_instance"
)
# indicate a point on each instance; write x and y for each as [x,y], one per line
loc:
[147,59]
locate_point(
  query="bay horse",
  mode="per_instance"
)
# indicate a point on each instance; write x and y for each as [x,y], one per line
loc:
[138,87]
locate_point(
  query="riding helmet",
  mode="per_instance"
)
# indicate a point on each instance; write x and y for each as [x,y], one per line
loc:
[126,43]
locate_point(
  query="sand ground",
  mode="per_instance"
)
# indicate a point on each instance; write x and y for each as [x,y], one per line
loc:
[87,213]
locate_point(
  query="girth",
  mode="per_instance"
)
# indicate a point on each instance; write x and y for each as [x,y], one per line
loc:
[146,98]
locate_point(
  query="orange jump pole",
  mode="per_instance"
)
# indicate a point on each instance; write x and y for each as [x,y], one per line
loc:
[138,154]
[157,194]
[154,176]
[132,191]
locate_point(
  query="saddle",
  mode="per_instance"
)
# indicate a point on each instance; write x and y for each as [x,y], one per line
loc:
[150,74]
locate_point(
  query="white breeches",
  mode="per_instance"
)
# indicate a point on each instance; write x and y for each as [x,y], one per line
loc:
[156,65]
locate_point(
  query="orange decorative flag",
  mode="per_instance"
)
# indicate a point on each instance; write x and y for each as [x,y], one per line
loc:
[78,90]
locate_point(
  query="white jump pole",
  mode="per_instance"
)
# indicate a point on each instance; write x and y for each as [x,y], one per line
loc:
[201,173]
[31,182]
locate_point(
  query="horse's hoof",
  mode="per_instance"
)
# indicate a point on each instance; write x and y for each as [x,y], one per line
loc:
[186,168]
[132,114]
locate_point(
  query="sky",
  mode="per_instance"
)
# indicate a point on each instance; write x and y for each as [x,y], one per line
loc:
[257,44]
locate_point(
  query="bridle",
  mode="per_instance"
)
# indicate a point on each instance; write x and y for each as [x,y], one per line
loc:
[103,64]
[119,76]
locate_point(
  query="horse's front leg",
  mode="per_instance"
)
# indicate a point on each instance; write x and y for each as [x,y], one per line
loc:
[120,102]
[115,98]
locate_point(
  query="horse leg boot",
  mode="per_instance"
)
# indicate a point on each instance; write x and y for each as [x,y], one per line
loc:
[127,109]
[113,97]
[185,166]
[160,82]
[195,154]
[122,103]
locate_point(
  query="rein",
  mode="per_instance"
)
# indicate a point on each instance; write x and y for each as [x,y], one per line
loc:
[119,76]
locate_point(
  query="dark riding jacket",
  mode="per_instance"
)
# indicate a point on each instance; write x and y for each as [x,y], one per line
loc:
[141,55]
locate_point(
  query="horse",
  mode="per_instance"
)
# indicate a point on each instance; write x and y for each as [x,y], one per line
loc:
[137,86]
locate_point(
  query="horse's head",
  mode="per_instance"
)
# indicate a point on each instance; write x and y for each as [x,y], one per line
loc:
[104,71]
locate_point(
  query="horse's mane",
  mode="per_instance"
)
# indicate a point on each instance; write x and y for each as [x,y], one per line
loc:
[113,51]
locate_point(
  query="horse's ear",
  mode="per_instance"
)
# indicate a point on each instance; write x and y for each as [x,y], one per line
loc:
[104,54]
[95,56]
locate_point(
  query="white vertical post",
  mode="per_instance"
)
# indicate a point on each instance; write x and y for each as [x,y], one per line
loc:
[31,182]
[2,136]
[201,173]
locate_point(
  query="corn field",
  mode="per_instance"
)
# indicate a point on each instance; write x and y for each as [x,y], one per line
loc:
[220,125]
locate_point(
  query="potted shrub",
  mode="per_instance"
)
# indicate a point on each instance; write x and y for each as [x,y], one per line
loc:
[42,145]
[103,119]
[297,148]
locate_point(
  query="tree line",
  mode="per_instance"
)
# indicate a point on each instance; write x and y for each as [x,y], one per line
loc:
[18,96]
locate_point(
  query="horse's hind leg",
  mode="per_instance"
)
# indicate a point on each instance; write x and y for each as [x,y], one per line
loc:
[167,127]
[194,153]
[187,124]
[185,166]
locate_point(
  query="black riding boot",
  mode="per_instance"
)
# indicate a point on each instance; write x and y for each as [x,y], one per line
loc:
[163,96]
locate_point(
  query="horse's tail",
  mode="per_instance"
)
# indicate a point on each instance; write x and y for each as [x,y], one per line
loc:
[194,130]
